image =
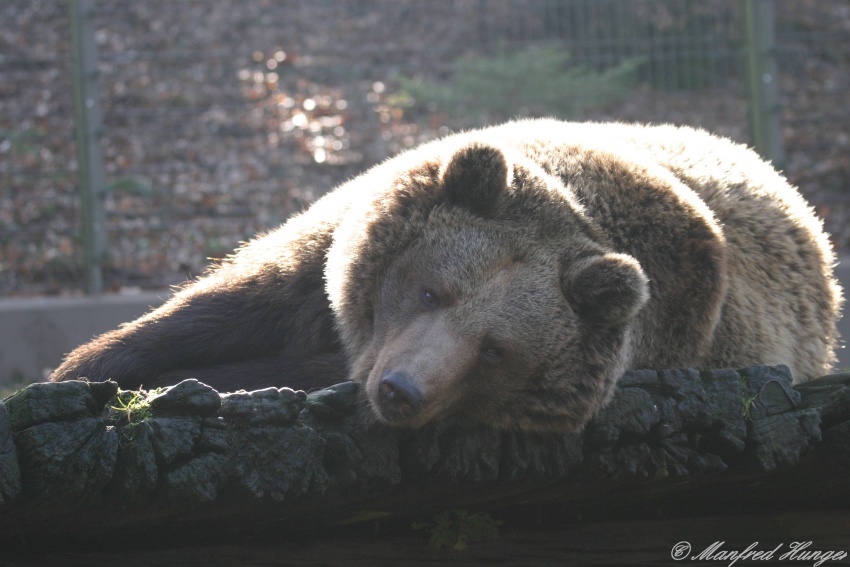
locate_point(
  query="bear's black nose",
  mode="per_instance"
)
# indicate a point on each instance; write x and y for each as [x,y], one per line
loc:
[399,396]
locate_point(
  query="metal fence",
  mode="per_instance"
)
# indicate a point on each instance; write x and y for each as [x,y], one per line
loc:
[202,122]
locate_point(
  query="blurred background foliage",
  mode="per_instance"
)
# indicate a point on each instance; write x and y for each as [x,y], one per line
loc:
[220,118]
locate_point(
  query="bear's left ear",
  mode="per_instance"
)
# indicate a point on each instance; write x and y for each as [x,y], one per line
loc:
[606,290]
[474,177]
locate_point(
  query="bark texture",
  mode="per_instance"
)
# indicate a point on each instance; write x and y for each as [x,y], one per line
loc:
[80,461]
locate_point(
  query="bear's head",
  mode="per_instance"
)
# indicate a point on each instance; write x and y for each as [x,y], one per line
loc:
[474,284]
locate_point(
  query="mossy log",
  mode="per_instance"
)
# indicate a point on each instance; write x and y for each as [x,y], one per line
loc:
[81,461]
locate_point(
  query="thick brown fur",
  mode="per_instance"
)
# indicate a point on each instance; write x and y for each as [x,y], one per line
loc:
[510,273]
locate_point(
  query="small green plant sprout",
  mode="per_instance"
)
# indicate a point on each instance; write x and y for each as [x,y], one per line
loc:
[131,405]
[748,401]
[456,529]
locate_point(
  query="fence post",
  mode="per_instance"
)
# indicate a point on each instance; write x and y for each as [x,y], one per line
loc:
[88,131]
[762,79]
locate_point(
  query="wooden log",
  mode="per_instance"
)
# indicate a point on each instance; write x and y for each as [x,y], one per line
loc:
[81,462]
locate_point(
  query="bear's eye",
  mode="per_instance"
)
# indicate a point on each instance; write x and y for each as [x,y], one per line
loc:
[430,299]
[492,355]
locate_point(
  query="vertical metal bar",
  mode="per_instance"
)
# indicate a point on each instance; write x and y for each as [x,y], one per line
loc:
[762,79]
[88,130]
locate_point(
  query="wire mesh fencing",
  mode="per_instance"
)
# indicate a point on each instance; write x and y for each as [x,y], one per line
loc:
[219,119]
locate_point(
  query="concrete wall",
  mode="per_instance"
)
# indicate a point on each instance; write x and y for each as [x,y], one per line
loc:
[36,333]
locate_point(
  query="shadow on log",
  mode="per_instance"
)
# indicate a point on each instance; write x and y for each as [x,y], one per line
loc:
[82,463]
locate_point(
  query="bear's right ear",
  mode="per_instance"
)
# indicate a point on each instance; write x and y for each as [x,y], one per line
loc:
[606,290]
[475,176]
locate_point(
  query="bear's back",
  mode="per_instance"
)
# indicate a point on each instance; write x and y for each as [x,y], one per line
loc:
[781,299]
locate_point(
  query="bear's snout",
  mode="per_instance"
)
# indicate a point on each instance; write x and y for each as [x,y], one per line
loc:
[398,396]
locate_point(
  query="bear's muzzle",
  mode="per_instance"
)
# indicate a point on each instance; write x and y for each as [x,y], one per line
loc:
[399,397]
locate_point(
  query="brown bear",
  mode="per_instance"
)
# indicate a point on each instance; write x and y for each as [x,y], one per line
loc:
[510,273]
